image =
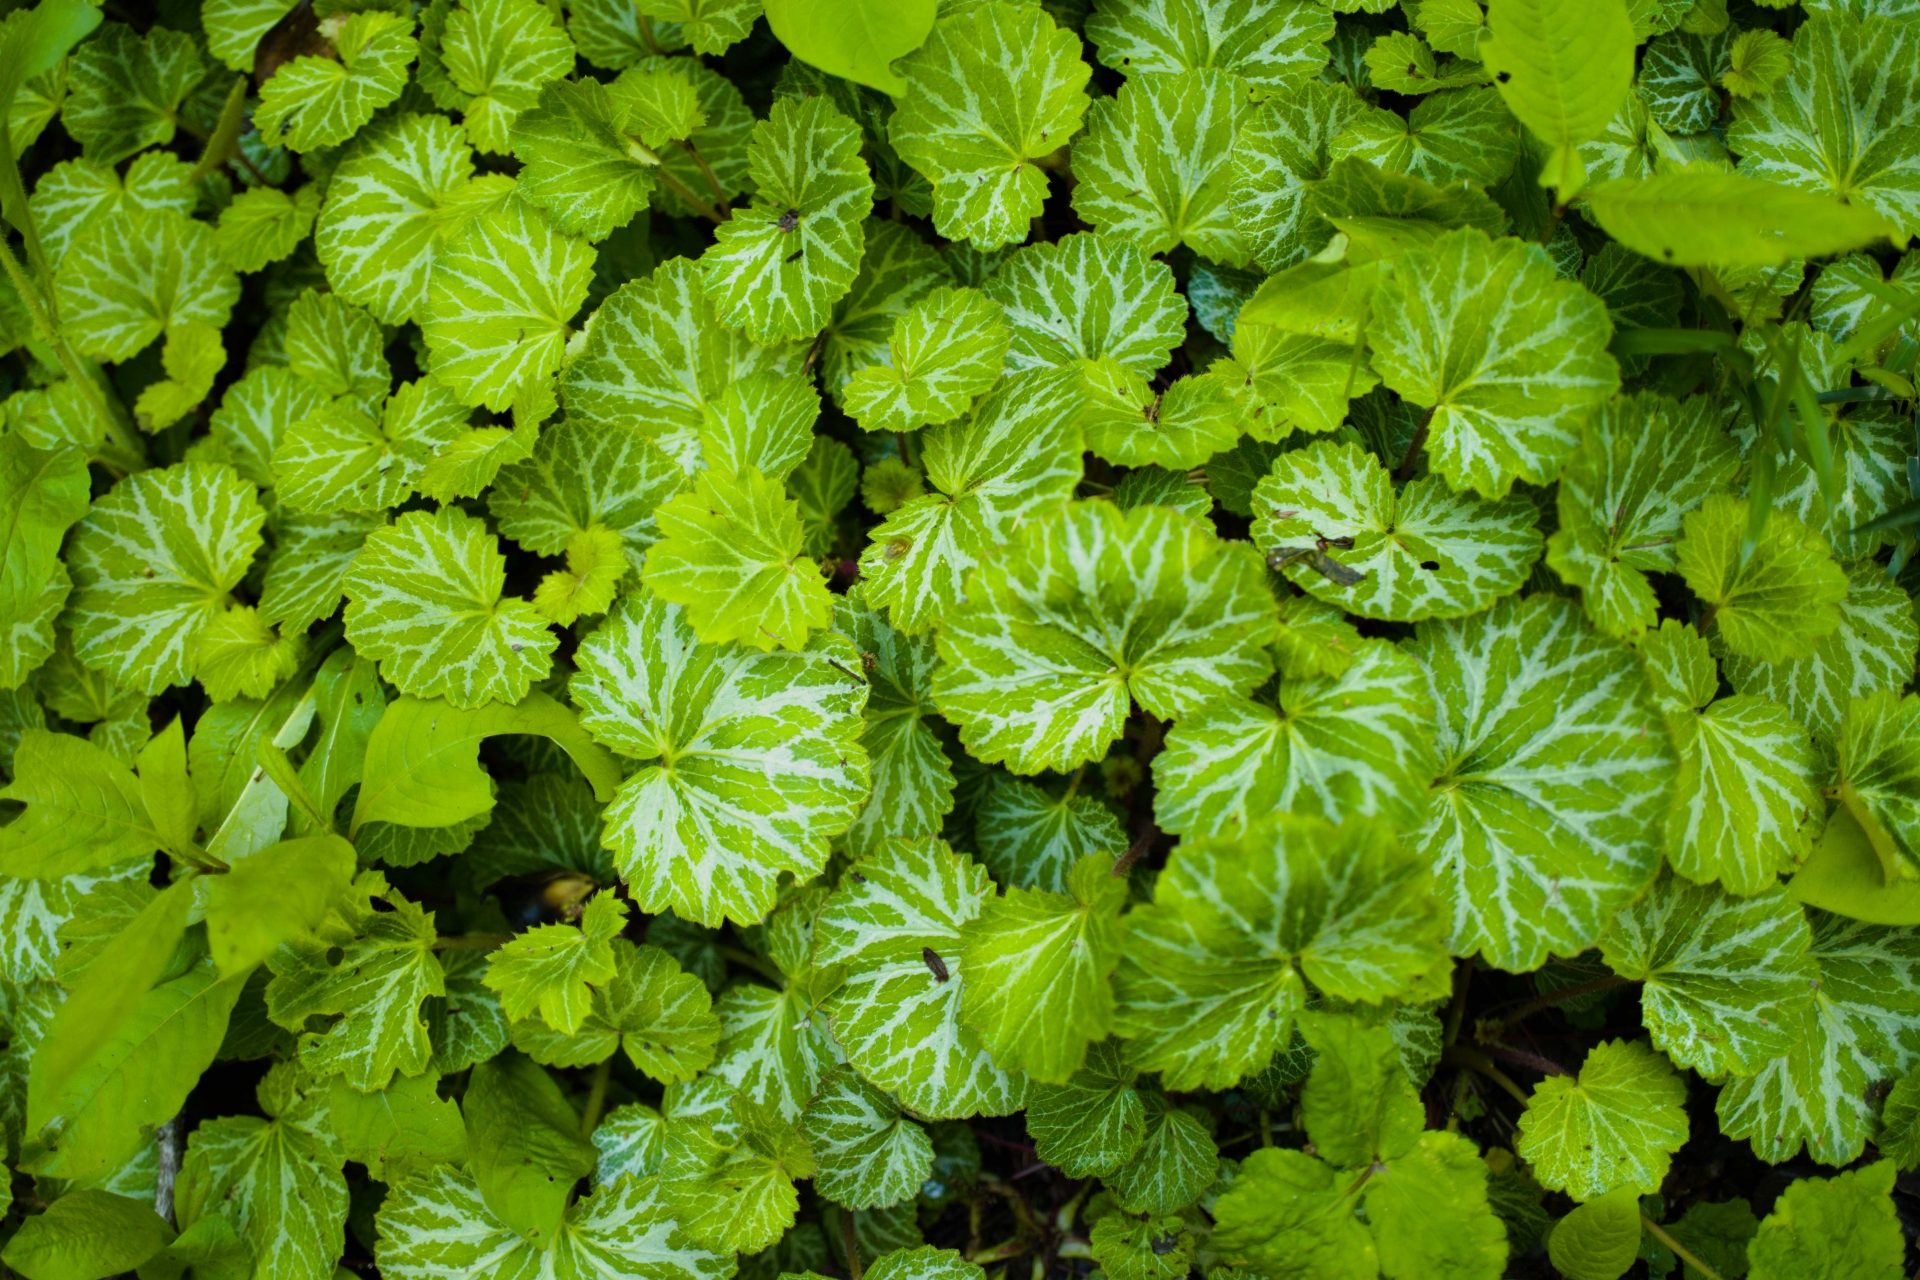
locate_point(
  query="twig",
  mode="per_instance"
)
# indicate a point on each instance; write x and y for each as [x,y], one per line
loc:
[1460,1055]
[1520,1057]
[1561,996]
[1457,1010]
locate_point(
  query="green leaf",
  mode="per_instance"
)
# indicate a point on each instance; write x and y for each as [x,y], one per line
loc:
[1016,460]
[424,599]
[263,226]
[730,1178]
[777,267]
[1175,1163]
[403,1131]
[1643,462]
[44,492]
[1563,72]
[138,1079]
[993,89]
[1746,783]
[1153,166]
[422,761]
[341,459]
[1093,1123]
[432,1226]
[912,778]
[553,967]
[1724,979]
[1509,357]
[137,273]
[87,1234]
[1041,964]
[210,1247]
[1839,1226]
[1774,604]
[1286,1215]
[897,270]
[1681,80]
[946,350]
[1599,1240]
[709,26]
[1042,664]
[1285,382]
[550,822]
[386,967]
[498,53]
[631,1140]
[1271,50]
[1356,743]
[153,563]
[192,358]
[750,761]
[714,159]
[1877,777]
[1546,819]
[659,1015]
[1617,1124]
[894,1014]
[74,195]
[85,810]
[1843,120]
[857,41]
[524,1146]
[1700,217]
[1872,649]
[581,163]
[474,1029]
[277,1181]
[392,202]
[774,1042]
[1279,153]
[731,553]
[498,305]
[605,477]
[255,413]
[277,895]
[1126,423]
[656,356]
[308,565]
[124,90]
[1452,136]
[1216,968]
[235,28]
[1424,552]
[1083,297]
[870,1155]
[1431,1215]
[313,102]
[1030,838]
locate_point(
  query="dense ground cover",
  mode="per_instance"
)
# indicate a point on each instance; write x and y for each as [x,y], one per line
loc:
[907,641]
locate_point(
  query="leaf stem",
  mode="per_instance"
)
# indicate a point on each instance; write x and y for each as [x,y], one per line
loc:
[1457,1009]
[1460,1055]
[226,135]
[693,201]
[596,1097]
[119,449]
[1563,995]
[754,963]
[854,1269]
[706,171]
[1404,472]
[1680,1251]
